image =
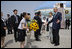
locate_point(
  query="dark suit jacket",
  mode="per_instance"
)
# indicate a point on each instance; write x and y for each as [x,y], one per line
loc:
[13,20]
[39,21]
[8,23]
[3,33]
[55,25]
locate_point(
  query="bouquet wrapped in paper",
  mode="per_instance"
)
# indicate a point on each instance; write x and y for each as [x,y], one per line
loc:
[32,25]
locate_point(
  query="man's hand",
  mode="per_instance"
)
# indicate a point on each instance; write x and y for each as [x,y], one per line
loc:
[58,21]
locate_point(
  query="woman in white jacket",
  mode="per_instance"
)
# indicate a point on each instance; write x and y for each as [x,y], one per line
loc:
[50,27]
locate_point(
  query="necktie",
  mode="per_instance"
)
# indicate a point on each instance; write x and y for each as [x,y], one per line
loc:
[54,15]
[16,19]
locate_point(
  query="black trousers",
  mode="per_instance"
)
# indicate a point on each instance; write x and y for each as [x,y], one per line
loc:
[39,31]
[36,34]
[47,29]
[9,31]
[15,31]
[67,26]
[55,33]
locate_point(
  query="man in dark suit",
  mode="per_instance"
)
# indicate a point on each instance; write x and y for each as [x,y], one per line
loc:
[8,24]
[67,22]
[15,22]
[56,26]
[39,21]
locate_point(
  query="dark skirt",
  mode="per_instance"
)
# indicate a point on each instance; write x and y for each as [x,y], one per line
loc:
[21,35]
[3,33]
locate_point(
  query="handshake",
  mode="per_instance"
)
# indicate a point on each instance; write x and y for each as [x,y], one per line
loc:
[45,23]
[58,21]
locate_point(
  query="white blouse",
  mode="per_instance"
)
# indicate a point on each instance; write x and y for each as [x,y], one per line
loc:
[50,25]
[22,22]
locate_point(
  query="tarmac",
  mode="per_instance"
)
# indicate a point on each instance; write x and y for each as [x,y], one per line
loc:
[65,40]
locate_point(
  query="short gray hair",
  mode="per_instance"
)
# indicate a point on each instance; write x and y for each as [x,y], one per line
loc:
[55,8]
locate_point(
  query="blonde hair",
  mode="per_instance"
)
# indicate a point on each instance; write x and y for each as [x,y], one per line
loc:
[55,8]
[51,13]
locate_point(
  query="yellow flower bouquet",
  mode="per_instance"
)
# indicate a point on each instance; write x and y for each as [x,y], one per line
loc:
[32,25]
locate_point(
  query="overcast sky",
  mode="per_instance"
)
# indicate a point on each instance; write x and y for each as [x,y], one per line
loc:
[7,7]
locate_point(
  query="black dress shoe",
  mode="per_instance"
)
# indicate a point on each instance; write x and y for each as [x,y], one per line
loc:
[8,33]
[11,33]
[38,40]
[56,44]
[39,34]
[15,40]
[52,43]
